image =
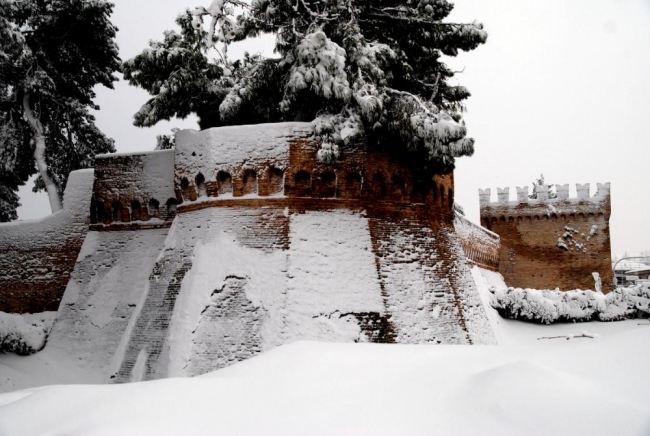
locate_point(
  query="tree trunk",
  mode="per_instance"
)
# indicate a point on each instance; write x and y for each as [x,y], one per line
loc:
[39,155]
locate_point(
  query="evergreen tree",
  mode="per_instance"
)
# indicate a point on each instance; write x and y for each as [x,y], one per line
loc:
[357,68]
[540,184]
[52,54]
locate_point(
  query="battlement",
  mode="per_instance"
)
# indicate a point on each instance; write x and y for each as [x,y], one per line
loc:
[543,206]
[551,242]
[250,164]
[133,190]
[503,195]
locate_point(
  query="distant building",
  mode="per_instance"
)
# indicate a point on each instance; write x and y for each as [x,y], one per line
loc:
[630,272]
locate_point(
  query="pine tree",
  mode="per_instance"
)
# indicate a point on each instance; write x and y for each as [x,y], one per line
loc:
[183,80]
[52,54]
[540,184]
[359,69]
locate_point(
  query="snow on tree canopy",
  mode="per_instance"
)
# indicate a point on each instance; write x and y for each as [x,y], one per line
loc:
[46,97]
[359,69]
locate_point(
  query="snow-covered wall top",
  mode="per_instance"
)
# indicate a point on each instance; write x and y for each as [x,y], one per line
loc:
[74,215]
[37,256]
[480,245]
[560,203]
[202,155]
[135,189]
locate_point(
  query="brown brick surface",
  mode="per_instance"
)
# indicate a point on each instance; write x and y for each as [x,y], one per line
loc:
[547,243]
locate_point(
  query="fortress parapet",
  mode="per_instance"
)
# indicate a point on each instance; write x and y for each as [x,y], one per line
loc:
[481,246]
[550,239]
[252,165]
[542,204]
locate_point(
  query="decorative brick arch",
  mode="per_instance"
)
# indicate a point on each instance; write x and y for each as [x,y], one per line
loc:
[302,183]
[224,183]
[327,184]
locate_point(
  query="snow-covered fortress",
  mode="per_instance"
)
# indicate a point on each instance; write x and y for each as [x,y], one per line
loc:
[549,243]
[238,241]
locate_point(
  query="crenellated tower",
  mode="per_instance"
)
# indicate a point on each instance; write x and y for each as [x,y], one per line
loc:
[551,240]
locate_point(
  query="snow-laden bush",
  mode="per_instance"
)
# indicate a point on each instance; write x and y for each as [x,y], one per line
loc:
[24,334]
[549,306]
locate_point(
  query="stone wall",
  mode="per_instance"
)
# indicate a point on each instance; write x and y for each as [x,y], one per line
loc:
[37,256]
[552,242]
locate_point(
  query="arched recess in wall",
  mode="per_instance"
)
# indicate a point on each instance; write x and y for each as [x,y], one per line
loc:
[378,185]
[199,180]
[302,184]
[276,181]
[188,193]
[107,215]
[398,187]
[170,207]
[116,211]
[135,210]
[224,181]
[249,182]
[154,208]
[352,188]
[327,184]
[96,210]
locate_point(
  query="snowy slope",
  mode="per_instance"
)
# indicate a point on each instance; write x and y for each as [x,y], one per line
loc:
[535,382]
[578,387]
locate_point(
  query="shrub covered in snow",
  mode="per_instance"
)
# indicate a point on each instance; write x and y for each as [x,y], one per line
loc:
[24,334]
[549,306]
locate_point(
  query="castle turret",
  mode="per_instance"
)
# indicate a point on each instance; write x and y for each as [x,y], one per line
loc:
[552,241]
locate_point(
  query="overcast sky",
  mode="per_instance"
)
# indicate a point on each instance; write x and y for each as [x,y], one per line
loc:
[560,88]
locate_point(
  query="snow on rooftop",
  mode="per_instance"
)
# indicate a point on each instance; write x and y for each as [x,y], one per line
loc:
[628,265]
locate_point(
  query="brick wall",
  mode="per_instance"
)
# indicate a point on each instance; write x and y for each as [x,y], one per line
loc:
[548,243]
[109,281]
[37,256]
[261,232]
[421,289]
[133,190]
[481,246]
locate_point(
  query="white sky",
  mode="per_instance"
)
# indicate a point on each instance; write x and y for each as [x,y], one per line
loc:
[560,88]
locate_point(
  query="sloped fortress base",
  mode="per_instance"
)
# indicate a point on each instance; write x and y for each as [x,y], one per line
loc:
[252,244]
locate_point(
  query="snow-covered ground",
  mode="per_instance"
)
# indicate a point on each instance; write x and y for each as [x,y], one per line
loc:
[535,382]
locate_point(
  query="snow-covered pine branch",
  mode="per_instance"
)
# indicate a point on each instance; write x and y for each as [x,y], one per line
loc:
[360,69]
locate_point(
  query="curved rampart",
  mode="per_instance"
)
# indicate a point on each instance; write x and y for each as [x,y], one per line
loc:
[38,256]
[481,246]
[552,242]
[279,160]
[134,190]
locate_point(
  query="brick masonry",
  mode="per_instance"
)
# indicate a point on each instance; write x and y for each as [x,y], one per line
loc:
[552,242]
[236,242]
[38,256]
[423,289]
